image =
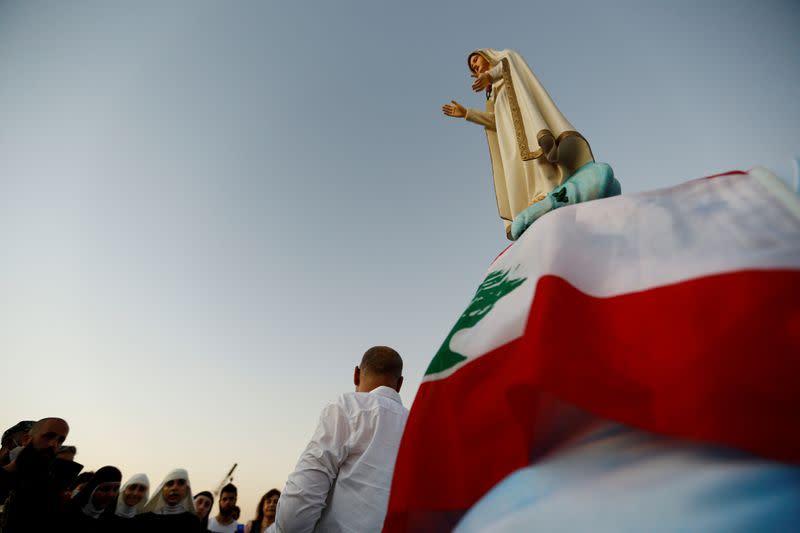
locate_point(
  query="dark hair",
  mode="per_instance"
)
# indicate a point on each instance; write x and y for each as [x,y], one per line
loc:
[230,487]
[383,361]
[260,509]
[20,427]
[82,478]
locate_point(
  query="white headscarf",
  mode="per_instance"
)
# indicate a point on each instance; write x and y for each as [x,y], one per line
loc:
[157,505]
[122,508]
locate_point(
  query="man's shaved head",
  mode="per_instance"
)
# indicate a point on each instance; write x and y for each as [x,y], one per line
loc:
[48,434]
[380,366]
[382,361]
[40,425]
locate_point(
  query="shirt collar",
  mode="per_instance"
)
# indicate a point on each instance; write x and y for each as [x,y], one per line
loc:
[387,392]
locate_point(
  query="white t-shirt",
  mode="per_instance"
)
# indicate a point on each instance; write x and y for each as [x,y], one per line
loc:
[215,526]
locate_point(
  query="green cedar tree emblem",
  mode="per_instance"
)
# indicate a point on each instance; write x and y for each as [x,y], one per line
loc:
[495,286]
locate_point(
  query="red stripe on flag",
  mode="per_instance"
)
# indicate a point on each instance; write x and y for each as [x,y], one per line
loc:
[507,248]
[713,359]
[731,173]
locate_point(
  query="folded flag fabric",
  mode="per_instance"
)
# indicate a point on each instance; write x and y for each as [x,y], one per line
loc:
[675,311]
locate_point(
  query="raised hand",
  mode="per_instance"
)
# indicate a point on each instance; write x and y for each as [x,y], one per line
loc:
[482,81]
[454,109]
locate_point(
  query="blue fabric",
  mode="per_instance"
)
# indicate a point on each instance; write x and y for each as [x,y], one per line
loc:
[590,182]
[620,479]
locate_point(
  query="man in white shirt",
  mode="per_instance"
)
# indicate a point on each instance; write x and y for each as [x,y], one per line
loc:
[224,522]
[342,480]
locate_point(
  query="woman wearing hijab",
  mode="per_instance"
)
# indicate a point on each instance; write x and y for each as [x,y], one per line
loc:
[534,149]
[131,500]
[203,502]
[92,510]
[170,508]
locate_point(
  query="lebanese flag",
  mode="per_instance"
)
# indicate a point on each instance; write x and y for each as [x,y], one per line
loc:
[675,311]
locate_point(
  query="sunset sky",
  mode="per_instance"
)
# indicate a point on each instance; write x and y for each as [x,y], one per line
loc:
[209,210]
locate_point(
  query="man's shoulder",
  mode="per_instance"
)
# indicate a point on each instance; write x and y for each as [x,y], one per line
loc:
[380,398]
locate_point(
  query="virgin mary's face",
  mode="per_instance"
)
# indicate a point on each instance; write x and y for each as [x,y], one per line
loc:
[478,64]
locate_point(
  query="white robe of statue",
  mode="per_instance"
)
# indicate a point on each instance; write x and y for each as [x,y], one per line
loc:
[533,147]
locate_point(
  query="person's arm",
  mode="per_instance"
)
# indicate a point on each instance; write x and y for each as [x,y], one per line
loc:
[454,109]
[484,118]
[303,499]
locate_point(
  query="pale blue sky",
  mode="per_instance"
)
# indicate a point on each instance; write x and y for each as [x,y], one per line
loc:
[209,210]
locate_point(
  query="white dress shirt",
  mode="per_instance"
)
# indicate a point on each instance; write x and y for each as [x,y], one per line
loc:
[342,480]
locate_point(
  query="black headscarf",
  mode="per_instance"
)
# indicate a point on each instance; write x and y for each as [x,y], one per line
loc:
[107,474]
[204,521]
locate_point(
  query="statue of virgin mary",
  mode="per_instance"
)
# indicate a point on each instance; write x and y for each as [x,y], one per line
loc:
[533,147]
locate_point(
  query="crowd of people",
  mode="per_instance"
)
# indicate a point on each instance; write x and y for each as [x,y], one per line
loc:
[341,481]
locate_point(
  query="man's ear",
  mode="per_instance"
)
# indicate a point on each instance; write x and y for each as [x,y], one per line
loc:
[357,377]
[399,383]
[26,439]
